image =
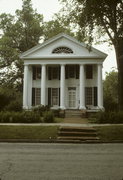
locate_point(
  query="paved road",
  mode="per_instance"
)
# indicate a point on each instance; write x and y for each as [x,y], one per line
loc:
[21,161]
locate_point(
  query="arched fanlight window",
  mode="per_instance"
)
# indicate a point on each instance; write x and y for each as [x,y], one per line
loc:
[62,49]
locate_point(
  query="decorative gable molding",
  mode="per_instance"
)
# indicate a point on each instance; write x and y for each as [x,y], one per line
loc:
[44,50]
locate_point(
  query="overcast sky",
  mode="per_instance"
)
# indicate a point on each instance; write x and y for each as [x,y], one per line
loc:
[48,8]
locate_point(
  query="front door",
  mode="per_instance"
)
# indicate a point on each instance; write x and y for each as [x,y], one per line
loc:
[72,97]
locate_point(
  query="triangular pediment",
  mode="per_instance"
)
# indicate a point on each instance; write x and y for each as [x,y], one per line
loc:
[62,46]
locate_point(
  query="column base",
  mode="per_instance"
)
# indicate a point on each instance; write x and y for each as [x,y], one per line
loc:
[25,107]
[101,108]
[82,108]
[62,107]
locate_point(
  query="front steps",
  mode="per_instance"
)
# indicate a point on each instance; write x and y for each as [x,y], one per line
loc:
[77,134]
[75,114]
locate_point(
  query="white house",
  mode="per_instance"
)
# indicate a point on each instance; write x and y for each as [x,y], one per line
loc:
[62,73]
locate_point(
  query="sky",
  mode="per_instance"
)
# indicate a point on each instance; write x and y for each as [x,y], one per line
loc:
[48,8]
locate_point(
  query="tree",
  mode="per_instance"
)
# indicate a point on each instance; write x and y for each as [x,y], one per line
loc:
[57,25]
[19,33]
[107,16]
[110,85]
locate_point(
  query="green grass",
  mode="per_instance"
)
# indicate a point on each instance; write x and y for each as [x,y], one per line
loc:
[59,120]
[28,132]
[109,133]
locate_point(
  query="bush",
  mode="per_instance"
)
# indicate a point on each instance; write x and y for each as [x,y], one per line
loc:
[41,109]
[110,117]
[56,112]
[14,106]
[49,117]
[19,117]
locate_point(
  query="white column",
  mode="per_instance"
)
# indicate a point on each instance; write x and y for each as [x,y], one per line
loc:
[25,87]
[82,87]
[62,87]
[100,87]
[30,87]
[43,85]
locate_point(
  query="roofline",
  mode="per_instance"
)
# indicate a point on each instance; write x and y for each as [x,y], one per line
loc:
[35,48]
[63,57]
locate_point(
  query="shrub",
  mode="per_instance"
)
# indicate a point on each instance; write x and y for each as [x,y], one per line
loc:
[41,109]
[110,117]
[14,106]
[19,117]
[48,117]
[56,112]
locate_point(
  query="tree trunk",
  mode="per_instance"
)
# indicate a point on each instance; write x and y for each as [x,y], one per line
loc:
[119,57]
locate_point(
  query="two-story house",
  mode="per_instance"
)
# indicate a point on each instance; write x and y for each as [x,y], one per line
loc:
[62,73]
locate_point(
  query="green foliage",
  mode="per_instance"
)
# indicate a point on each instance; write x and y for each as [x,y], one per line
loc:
[111,91]
[48,117]
[19,117]
[56,112]
[57,25]
[19,33]
[10,99]
[40,109]
[110,117]
[107,17]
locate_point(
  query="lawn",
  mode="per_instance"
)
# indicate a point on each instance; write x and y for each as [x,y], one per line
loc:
[106,133]
[28,132]
[110,133]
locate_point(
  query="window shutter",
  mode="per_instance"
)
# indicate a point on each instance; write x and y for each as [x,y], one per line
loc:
[49,73]
[49,96]
[95,96]
[34,73]
[59,96]
[66,72]
[33,96]
[59,71]
[77,71]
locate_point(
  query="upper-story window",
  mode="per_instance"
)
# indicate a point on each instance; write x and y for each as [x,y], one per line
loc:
[53,72]
[36,72]
[62,49]
[72,71]
[89,72]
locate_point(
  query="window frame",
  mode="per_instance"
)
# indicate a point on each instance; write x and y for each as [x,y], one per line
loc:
[89,71]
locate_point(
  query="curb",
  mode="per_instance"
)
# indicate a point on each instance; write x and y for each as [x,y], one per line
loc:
[58,141]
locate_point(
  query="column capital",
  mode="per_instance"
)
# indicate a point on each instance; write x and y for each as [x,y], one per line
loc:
[62,64]
[26,65]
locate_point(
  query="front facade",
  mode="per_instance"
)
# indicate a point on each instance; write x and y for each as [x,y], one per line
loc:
[62,73]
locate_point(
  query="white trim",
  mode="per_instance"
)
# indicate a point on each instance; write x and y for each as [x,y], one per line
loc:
[64,61]
[61,35]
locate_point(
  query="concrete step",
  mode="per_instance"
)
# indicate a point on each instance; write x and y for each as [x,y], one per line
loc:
[77,129]
[77,138]
[75,133]
[74,113]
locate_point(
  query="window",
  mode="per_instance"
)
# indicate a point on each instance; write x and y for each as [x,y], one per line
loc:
[91,96]
[72,71]
[36,72]
[55,97]
[53,72]
[89,72]
[62,49]
[88,96]
[37,96]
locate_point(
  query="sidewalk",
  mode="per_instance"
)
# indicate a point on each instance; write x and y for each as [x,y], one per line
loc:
[57,124]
